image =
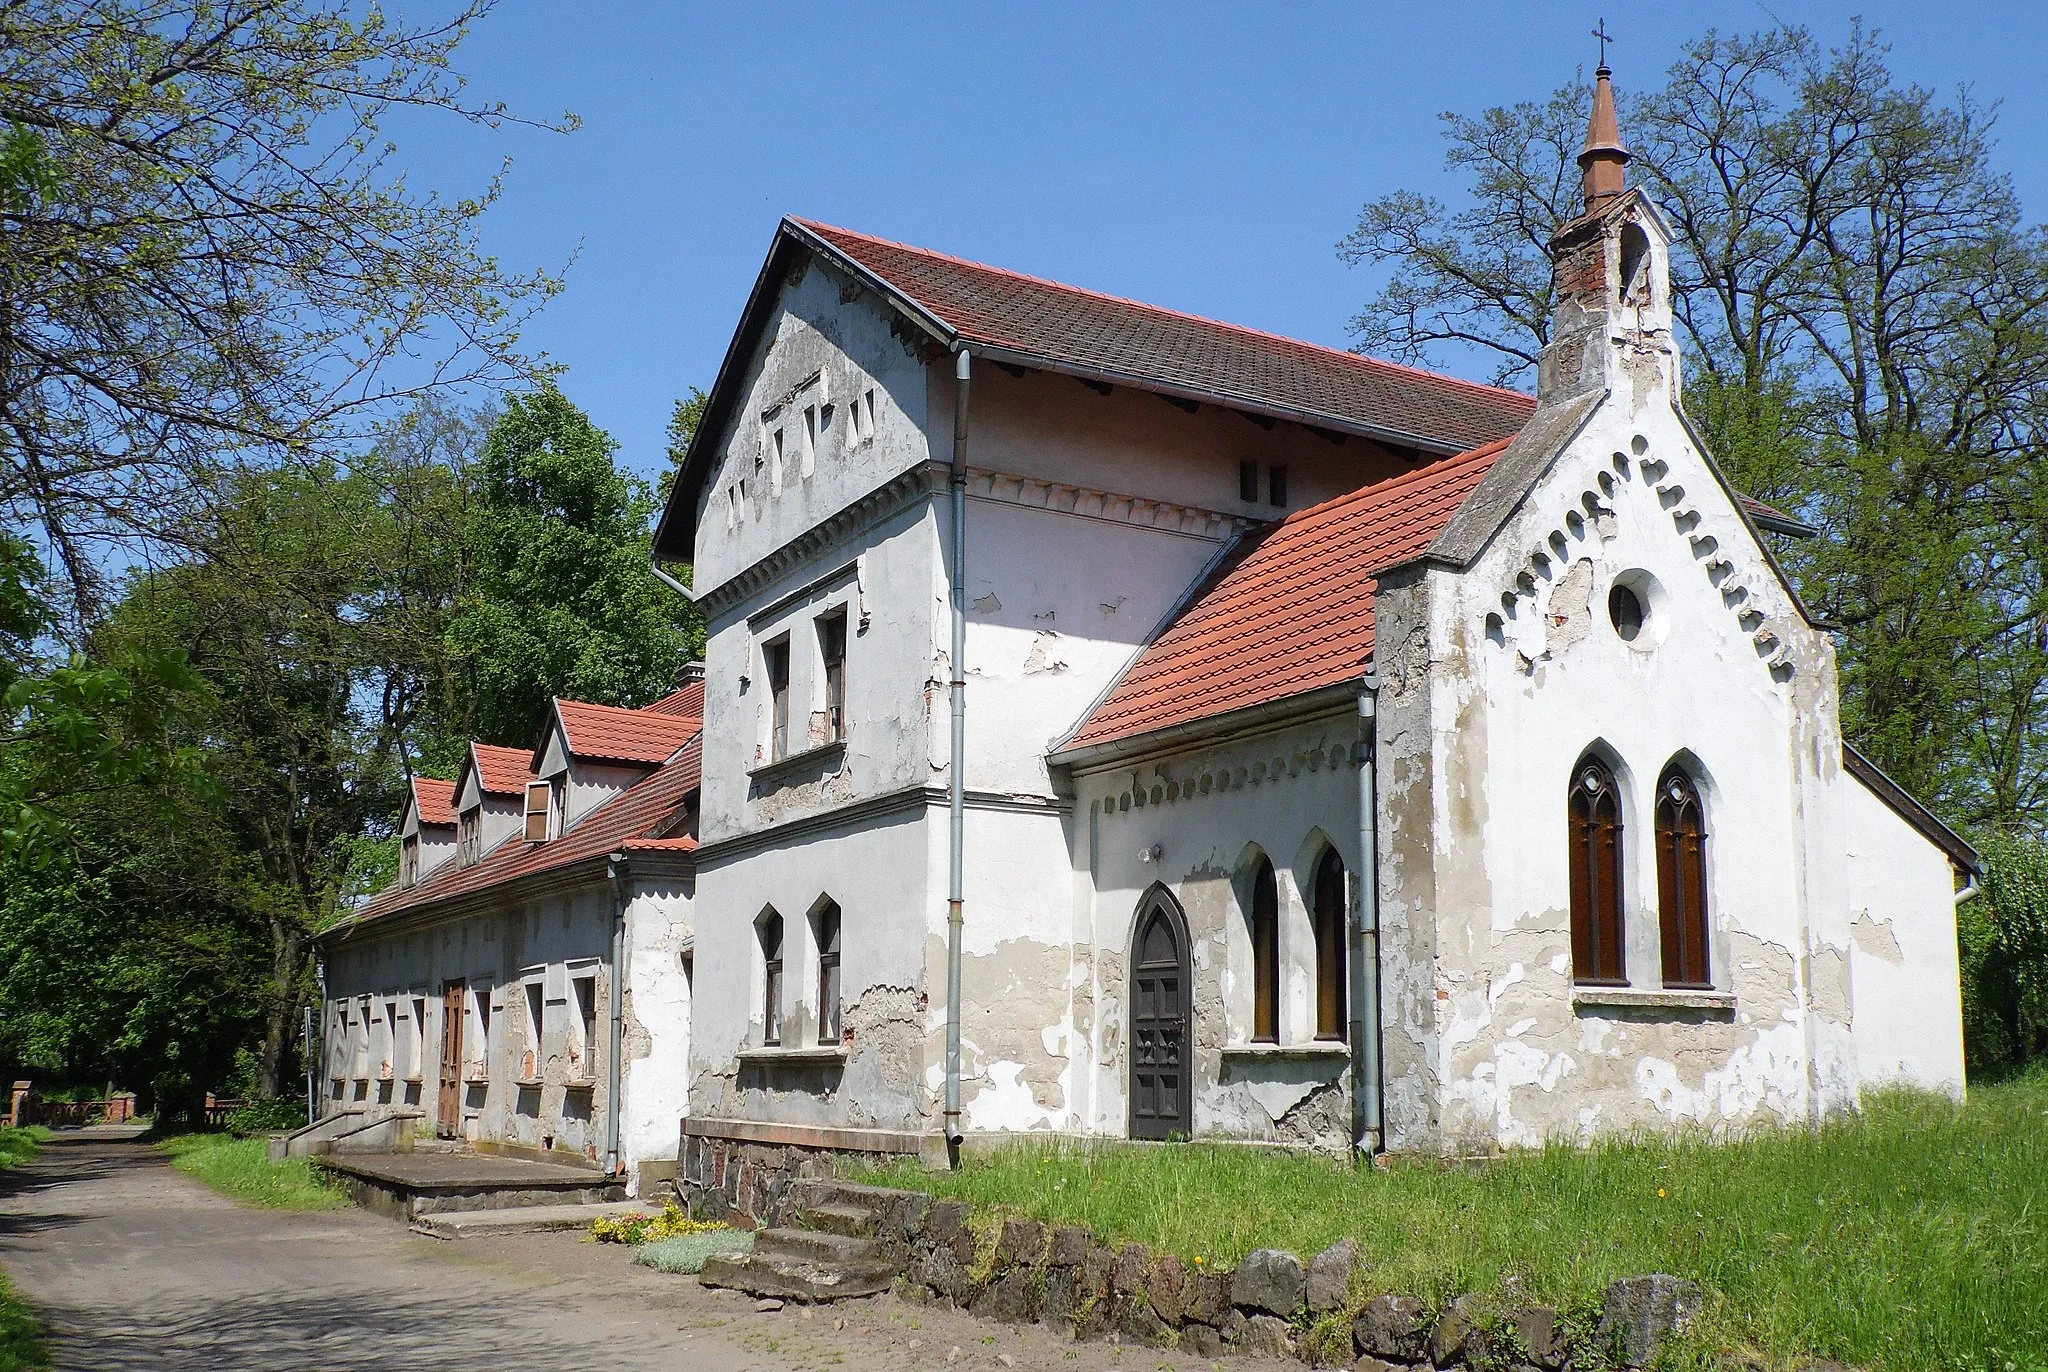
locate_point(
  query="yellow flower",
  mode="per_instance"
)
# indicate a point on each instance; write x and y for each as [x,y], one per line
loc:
[1660,1191]
[1198,1262]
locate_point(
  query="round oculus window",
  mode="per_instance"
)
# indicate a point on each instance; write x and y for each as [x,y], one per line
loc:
[1625,608]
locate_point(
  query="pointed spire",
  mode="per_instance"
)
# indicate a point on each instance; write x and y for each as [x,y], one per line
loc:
[1604,160]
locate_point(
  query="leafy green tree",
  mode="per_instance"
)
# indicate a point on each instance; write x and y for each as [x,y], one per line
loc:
[208,256]
[1866,311]
[561,601]
[683,421]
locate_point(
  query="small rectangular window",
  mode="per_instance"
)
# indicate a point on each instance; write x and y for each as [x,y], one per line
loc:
[1248,482]
[810,454]
[409,860]
[468,834]
[776,658]
[539,800]
[1276,484]
[832,649]
[536,1020]
[775,466]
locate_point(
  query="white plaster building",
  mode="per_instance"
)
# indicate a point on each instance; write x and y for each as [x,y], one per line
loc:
[1351,754]
[494,956]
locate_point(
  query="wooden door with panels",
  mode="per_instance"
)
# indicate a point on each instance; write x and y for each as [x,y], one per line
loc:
[454,1008]
[1160,1039]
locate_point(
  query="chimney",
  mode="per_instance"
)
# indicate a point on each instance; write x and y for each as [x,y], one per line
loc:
[1603,162]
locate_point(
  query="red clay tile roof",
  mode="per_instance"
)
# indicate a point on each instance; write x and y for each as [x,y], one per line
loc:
[502,771]
[689,700]
[1290,614]
[610,733]
[633,820]
[1112,336]
[434,800]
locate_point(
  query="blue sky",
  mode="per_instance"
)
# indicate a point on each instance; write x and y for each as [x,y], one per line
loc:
[1202,156]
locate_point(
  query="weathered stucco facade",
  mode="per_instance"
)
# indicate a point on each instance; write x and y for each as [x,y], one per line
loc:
[1410,799]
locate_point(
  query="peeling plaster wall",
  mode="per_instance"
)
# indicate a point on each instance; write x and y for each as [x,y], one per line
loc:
[877,870]
[547,942]
[1289,793]
[1498,680]
[1902,957]
[829,344]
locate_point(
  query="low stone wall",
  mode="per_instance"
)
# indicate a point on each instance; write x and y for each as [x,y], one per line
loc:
[741,1171]
[1273,1304]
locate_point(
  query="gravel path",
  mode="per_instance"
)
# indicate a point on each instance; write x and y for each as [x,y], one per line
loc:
[133,1265]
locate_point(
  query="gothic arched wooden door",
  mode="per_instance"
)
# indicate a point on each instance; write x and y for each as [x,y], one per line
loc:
[1160,1037]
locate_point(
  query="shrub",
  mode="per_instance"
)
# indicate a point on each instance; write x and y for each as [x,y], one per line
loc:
[2004,948]
[639,1229]
[686,1252]
[267,1116]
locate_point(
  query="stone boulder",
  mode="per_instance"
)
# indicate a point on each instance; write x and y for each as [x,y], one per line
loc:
[1269,1279]
[1394,1328]
[1329,1276]
[1167,1287]
[1265,1336]
[1639,1313]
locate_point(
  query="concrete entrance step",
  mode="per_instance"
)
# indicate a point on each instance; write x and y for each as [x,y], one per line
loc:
[805,1265]
[521,1219]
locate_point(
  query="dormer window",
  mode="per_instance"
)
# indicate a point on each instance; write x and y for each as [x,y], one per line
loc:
[539,802]
[469,835]
[409,860]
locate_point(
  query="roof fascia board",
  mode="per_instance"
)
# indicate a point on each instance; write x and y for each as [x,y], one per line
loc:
[1900,802]
[941,332]
[548,882]
[1251,719]
[1224,399]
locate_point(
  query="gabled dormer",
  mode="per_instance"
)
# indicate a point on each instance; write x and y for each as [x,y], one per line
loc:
[490,798]
[426,832]
[589,753]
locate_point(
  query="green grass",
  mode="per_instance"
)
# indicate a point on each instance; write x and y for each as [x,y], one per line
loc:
[1911,1238]
[21,1334]
[17,1146]
[686,1252]
[241,1168]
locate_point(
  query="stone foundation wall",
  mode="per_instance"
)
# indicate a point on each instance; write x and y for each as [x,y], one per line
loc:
[1272,1304]
[745,1180]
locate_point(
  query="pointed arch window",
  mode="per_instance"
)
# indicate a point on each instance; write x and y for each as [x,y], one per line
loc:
[769,930]
[1331,965]
[1265,931]
[1596,838]
[1682,881]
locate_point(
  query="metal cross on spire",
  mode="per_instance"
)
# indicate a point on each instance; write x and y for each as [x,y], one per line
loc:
[1600,32]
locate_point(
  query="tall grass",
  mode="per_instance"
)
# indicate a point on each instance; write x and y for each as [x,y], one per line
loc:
[241,1168]
[1912,1237]
[17,1146]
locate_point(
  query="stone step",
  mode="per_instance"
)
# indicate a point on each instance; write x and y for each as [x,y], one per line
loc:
[816,1246]
[523,1219]
[838,1217]
[796,1281]
[812,1193]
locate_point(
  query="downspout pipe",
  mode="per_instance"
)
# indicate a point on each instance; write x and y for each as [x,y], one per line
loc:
[1368,1109]
[615,868]
[654,564]
[956,785]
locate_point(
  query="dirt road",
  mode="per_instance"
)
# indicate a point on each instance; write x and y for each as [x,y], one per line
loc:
[133,1265]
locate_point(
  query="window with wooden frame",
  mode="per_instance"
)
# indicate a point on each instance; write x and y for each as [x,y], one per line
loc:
[539,800]
[825,928]
[832,652]
[775,662]
[1265,932]
[584,989]
[1331,964]
[1596,853]
[469,834]
[1682,881]
[770,930]
[409,860]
